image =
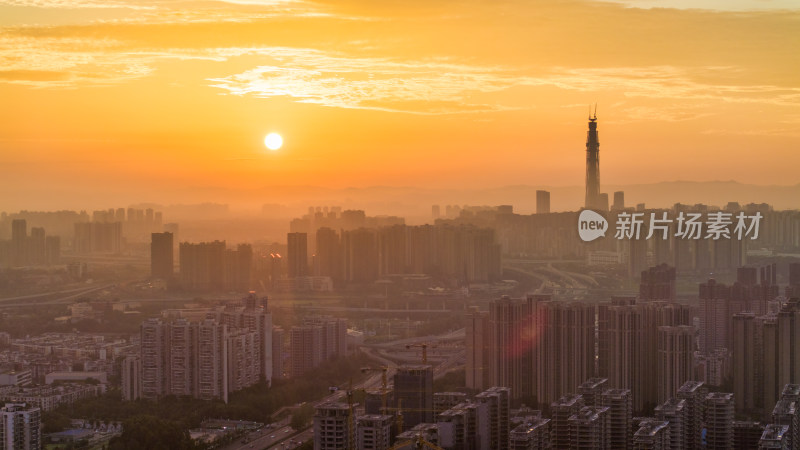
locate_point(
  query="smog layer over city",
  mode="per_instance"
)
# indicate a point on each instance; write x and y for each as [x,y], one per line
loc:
[374,225]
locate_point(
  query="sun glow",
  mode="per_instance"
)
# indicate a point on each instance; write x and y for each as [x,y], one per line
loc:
[273,141]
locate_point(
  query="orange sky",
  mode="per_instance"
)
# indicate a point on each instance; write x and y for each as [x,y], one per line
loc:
[140,98]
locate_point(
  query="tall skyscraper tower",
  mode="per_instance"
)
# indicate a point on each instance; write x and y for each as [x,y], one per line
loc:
[592,164]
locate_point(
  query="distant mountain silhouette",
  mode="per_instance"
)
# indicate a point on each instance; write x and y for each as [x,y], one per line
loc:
[416,202]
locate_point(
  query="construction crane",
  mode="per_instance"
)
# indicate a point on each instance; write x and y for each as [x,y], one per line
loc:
[351,427]
[424,347]
[384,381]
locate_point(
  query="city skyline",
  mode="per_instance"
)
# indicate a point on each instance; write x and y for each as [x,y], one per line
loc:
[160,98]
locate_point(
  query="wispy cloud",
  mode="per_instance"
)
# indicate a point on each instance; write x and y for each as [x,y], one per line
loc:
[311,76]
[670,82]
[786,132]
[76,4]
[376,83]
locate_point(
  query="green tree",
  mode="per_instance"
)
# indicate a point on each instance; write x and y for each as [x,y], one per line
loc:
[150,432]
[301,416]
[54,422]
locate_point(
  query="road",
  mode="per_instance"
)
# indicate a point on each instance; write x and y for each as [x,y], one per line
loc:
[264,438]
[295,441]
[374,381]
[30,300]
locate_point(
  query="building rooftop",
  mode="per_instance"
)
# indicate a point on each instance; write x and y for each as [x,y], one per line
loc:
[785,406]
[792,390]
[588,414]
[774,433]
[651,427]
[719,397]
[333,406]
[671,404]
[592,383]
[567,400]
[529,426]
[617,393]
[691,386]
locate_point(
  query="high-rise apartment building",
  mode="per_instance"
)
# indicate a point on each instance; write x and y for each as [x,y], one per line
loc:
[202,266]
[744,355]
[334,427]
[560,412]
[413,394]
[675,359]
[278,335]
[498,403]
[619,201]
[532,434]
[306,348]
[775,437]
[509,345]
[676,413]
[658,283]
[562,340]
[20,427]
[131,377]
[589,428]
[628,345]
[653,434]
[746,434]
[317,340]
[154,352]
[297,254]
[592,389]
[542,202]
[328,255]
[694,393]
[478,364]
[161,256]
[719,420]
[620,416]
[374,431]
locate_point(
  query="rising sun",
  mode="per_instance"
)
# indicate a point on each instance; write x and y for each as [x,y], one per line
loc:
[273,141]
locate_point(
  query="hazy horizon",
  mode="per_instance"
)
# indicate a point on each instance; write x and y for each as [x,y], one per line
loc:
[293,201]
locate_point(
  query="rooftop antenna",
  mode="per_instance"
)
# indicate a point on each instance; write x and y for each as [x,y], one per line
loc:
[595,110]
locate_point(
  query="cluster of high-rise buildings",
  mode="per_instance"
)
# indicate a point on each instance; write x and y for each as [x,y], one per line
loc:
[105,231]
[746,333]
[228,349]
[211,266]
[542,348]
[409,408]
[363,255]
[210,352]
[765,356]
[316,340]
[29,249]
[591,416]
